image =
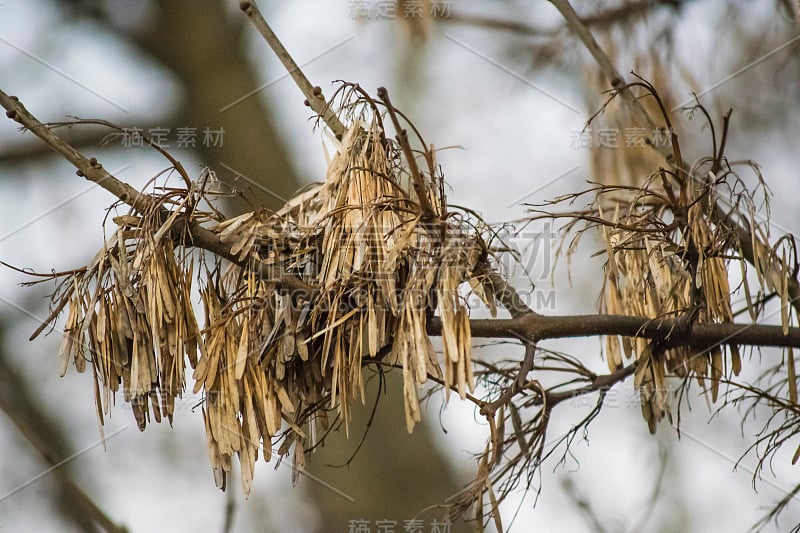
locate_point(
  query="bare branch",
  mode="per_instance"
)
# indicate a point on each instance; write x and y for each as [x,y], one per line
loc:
[603,18]
[313,94]
[669,332]
[92,170]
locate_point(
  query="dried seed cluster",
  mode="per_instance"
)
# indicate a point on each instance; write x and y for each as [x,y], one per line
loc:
[669,251]
[130,317]
[669,246]
[660,274]
[273,362]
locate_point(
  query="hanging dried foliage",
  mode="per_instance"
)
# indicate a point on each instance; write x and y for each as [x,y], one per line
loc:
[669,248]
[376,252]
[657,269]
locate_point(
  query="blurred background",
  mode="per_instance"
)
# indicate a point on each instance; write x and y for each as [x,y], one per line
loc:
[508,90]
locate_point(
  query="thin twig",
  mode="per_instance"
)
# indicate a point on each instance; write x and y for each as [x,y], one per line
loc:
[599,383]
[312,93]
[608,69]
[402,138]
[91,169]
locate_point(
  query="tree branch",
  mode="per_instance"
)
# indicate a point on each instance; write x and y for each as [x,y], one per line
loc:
[508,296]
[313,94]
[669,332]
[602,18]
[524,324]
[92,170]
[599,383]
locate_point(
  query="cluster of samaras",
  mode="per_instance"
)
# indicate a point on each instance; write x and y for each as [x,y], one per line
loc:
[656,271]
[272,361]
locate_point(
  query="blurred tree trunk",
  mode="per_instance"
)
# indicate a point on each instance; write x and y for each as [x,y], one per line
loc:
[202,44]
[393,476]
[44,435]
